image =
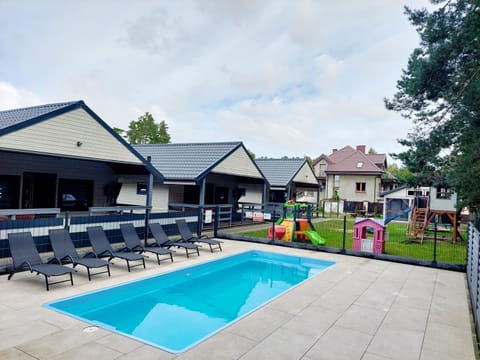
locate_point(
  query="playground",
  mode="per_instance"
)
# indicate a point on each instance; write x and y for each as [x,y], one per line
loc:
[295,224]
[397,240]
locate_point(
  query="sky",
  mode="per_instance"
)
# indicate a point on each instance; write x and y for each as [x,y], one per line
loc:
[288,78]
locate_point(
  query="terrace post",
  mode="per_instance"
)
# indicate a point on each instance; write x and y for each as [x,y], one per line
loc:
[148,202]
[273,223]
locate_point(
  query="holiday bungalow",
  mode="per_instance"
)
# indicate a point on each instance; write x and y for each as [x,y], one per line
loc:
[289,179]
[195,174]
[63,156]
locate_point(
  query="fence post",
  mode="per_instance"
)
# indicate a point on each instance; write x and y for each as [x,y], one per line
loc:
[67,220]
[216,221]
[344,232]
[200,221]
[273,223]
[435,221]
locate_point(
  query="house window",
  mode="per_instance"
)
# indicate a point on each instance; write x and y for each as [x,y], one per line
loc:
[360,187]
[323,167]
[142,189]
[359,164]
[336,181]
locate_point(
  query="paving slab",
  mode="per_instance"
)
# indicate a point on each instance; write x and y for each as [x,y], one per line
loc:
[358,309]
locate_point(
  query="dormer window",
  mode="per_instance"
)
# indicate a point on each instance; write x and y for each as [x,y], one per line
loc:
[359,164]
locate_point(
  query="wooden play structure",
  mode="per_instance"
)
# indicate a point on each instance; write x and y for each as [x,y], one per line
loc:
[369,235]
[438,204]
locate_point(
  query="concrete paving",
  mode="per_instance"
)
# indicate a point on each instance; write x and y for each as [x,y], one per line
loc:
[358,309]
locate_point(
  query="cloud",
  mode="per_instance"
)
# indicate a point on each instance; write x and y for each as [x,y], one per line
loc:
[11,97]
[287,78]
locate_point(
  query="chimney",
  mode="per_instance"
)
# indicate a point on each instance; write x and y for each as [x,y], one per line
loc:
[334,150]
[361,148]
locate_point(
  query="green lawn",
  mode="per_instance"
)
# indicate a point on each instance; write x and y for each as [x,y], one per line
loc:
[396,242]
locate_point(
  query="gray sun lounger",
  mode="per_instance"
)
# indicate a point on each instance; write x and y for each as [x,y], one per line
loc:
[102,248]
[65,251]
[162,240]
[133,243]
[25,256]
[188,237]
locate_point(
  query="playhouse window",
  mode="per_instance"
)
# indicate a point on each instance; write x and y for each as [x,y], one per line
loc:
[360,187]
[443,193]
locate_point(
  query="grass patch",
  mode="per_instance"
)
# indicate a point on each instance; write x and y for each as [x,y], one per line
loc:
[396,243]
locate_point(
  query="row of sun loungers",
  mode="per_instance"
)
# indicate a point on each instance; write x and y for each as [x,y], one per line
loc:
[25,255]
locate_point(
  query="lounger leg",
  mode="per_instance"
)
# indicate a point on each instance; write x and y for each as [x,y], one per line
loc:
[144,263]
[108,269]
[220,246]
[198,251]
[186,250]
[128,265]
[158,259]
[71,278]
[211,250]
[88,272]
[171,257]
[46,280]
[10,275]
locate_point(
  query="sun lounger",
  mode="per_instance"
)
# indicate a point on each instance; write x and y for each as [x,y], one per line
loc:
[133,243]
[162,240]
[102,248]
[25,256]
[65,251]
[187,236]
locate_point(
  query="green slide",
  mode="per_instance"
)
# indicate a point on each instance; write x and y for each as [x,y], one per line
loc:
[315,238]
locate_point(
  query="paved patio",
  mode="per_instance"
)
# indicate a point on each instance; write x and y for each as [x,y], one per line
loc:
[358,309]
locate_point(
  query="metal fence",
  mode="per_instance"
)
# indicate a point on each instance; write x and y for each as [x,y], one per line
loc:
[438,248]
[473,266]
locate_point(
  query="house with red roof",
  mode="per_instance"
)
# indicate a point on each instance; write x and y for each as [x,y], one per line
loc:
[354,175]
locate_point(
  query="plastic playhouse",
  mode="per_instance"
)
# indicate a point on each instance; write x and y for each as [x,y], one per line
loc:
[295,225]
[369,241]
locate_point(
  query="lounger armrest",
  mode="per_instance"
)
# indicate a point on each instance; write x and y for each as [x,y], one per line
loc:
[105,252]
[90,254]
[54,260]
[66,257]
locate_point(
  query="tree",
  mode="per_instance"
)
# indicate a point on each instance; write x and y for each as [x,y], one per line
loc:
[440,92]
[146,131]
[402,174]
[251,154]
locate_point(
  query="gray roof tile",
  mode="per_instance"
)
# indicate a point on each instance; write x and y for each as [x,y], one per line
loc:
[186,161]
[279,172]
[9,118]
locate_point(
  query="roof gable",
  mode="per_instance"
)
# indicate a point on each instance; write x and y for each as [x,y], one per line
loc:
[69,129]
[238,163]
[280,172]
[11,120]
[187,161]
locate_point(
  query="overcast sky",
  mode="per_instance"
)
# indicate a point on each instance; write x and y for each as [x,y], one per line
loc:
[288,78]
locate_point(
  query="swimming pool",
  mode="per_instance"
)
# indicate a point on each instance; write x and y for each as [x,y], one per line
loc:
[177,310]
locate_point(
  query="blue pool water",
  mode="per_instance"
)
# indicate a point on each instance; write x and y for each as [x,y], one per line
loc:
[176,310]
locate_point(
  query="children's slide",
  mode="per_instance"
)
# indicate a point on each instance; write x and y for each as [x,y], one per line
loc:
[314,237]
